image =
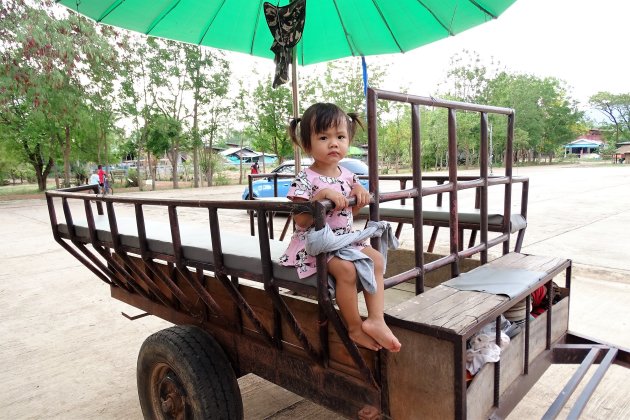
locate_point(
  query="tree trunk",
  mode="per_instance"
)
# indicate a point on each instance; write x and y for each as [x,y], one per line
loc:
[173,156]
[151,174]
[195,167]
[66,158]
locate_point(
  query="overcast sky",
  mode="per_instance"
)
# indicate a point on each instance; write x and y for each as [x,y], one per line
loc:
[583,42]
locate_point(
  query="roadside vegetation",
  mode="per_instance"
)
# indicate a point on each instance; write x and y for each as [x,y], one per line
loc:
[74,94]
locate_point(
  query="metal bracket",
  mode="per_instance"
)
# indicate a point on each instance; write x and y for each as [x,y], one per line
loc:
[134,317]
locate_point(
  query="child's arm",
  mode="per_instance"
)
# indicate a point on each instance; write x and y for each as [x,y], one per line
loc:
[305,220]
[362,195]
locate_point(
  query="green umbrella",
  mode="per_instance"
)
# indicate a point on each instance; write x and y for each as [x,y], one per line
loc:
[333,28]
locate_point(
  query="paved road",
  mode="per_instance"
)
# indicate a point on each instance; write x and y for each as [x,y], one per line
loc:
[68,354]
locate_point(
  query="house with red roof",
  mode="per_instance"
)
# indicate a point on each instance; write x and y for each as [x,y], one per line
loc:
[585,144]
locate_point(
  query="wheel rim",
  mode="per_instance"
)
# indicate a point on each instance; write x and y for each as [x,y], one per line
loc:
[168,394]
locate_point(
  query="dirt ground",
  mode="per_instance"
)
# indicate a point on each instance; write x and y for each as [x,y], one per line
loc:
[69,354]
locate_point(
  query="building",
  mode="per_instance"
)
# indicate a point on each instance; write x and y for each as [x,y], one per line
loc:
[234,155]
[622,154]
[585,144]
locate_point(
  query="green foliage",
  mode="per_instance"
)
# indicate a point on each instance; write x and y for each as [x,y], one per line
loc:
[132,178]
[52,70]
[162,134]
[268,119]
[616,108]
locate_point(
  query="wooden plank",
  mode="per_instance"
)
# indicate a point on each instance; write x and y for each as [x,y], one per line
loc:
[448,308]
[425,300]
[423,372]
[527,262]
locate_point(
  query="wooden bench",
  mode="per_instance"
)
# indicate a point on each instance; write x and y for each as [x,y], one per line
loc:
[469,215]
[444,318]
[439,217]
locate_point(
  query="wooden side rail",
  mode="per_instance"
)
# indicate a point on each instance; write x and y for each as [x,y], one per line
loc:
[438,215]
[448,315]
[116,241]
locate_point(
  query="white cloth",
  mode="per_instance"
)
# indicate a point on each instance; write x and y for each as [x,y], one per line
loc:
[324,240]
[484,349]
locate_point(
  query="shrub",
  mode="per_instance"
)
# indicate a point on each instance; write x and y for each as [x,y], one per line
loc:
[132,178]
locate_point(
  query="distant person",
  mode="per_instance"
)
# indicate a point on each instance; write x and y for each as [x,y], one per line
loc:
[255,168]
[94,179]
[101,176]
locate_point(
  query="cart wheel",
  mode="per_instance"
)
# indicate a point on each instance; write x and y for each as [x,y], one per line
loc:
[183,374]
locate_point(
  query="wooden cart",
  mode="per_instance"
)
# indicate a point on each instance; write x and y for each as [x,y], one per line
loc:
[236,310]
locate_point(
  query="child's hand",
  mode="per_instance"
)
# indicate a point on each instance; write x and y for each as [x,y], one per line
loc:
[337,198]
[363,196]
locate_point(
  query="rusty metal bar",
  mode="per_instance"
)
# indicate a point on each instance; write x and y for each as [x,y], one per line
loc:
[235,294]
[555,408]
[181,267]
[373,148]
[127,264]
[416,164]
[452,177]
[72,234]
[528,301]
[323,297]
[507,204]
[250,196]
[272,290]
[150,264]
[589,389]
[436,102]
[497,364]
[469,252]
[483,192]
[549,312]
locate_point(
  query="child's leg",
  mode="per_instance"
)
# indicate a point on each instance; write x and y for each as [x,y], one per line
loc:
[345,276]
[375,325]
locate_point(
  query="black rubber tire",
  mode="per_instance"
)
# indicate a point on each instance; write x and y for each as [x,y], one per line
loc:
[187,364]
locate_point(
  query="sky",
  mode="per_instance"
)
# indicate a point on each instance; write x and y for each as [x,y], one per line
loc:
[581,42]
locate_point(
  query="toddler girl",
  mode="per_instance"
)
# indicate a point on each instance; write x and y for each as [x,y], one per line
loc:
[325,132]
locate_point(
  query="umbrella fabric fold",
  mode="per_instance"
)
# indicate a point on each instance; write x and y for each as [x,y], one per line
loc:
[286,25]
[333,28]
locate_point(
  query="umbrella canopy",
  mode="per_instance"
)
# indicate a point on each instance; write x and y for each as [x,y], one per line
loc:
[333,28]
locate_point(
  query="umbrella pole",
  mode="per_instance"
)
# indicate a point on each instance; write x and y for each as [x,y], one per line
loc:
[296,110]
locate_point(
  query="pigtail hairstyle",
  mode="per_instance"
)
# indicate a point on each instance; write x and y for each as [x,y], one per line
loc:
[317,118]
[294,129]
[353,121]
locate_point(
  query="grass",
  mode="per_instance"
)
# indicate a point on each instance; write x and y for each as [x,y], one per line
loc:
[18,189]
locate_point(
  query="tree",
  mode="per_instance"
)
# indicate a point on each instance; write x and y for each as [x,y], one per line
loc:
[616,107]
[208,75]
[543,110]
[47,65]
[272,110]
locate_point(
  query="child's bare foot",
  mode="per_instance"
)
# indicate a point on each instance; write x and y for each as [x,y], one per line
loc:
[379,331]
[362,339]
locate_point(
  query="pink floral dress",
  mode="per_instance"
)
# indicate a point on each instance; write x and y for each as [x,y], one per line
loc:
[306,185]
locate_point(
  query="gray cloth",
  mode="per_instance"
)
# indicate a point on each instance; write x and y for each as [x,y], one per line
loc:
[324,240]
[499,281]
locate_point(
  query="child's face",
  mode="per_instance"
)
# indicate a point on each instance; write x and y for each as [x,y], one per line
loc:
[330,146]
